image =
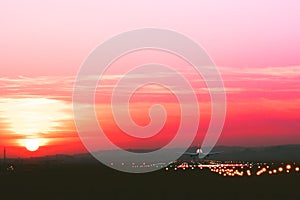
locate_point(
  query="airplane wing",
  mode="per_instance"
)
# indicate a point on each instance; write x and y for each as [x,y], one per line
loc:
[191,154]
[213,153]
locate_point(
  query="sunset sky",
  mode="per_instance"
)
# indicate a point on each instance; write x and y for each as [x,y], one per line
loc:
[255,45]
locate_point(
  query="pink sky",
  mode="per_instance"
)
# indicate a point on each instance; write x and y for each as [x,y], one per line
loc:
[255,44]
[37,38]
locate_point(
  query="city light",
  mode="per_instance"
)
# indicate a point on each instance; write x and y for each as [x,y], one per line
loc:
[231,169]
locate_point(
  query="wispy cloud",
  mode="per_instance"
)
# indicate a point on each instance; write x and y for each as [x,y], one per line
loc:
[236,80]
[287,71]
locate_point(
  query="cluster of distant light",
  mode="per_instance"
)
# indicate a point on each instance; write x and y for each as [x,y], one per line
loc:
[239,169]
[140,165]
[281,169]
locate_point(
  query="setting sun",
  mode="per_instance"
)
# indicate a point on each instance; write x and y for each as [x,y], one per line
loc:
[32,144]
[33,120]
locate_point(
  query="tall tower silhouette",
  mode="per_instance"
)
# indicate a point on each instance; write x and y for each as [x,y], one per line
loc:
[4,155]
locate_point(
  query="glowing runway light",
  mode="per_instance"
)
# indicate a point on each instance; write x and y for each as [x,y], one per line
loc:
[248,172]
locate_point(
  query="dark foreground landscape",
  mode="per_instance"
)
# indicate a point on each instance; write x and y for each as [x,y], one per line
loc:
[94,181]
[88,179]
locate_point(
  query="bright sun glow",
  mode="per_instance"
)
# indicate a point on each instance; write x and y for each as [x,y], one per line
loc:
[34,118]
[30,116]
[32,144]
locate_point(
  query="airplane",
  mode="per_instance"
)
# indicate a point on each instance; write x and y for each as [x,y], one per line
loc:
[200,154]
